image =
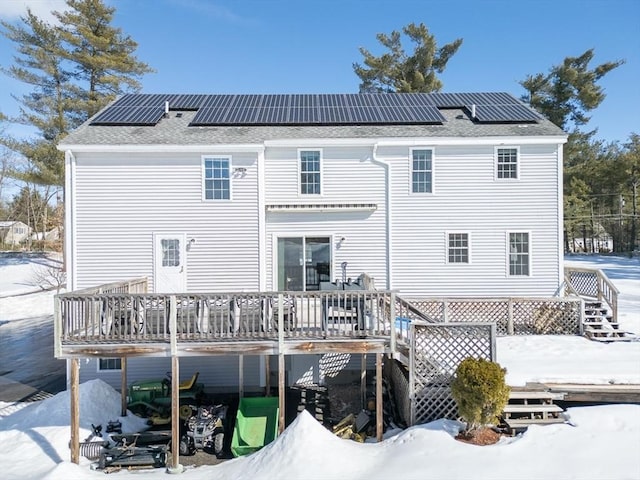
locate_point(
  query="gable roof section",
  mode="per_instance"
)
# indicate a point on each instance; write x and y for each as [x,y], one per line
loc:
[197,119]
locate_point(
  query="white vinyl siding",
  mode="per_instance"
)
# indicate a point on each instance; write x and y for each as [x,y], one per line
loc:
[364,232]
[470,200]
[123,199]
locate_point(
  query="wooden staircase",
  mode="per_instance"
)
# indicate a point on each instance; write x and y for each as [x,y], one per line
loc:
[526,408]
[599,325]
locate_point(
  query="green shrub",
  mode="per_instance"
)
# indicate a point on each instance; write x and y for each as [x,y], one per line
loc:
[480,391]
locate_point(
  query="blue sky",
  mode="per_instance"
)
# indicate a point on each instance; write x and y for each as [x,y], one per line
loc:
[309,46]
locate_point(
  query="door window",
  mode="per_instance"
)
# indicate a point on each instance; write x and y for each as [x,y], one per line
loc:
[303,262]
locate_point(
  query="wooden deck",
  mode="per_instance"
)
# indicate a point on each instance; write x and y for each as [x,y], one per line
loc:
[98,323]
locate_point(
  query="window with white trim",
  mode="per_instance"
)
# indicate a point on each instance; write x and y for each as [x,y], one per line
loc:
[422,171]
[109,364]
[310,172]
[458,248]
[507,162]
[217,178]
[519,254]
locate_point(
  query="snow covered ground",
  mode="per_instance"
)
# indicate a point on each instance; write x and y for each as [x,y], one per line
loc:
[599,442]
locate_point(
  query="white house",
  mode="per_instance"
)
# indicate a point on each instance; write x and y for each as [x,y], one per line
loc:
[430,194]
[13,232]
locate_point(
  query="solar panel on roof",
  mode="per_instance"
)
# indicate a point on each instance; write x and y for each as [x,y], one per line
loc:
[505,113]
[129,116]
[308,109]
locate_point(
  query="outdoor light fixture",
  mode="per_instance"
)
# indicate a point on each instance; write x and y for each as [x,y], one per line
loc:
[240,171]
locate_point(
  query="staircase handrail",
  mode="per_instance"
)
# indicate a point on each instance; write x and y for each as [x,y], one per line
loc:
[605,289]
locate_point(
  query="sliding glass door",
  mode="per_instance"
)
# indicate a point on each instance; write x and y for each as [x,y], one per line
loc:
[303,262]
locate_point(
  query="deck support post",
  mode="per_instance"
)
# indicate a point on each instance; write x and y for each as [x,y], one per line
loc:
[175,413]
[267,367]
[363,381]
[175,388]
[281,376]
[75,411]
[379,422]
[123,386]
[240,376]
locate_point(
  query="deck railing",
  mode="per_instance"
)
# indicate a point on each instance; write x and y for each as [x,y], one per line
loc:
[91,317]
[512,315]
[590,283]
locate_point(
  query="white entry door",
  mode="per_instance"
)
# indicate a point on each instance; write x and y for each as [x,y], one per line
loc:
[170,262]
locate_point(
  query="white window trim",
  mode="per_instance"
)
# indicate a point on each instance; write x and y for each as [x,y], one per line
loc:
[508,253]
[446,247]
[108,369]
[299,169]
[495,163]
[203,178]
[433,171]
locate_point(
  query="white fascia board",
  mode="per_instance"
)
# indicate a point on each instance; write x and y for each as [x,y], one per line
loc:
[251,147]
[411,141]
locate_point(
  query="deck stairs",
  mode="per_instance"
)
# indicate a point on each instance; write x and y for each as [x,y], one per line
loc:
[526,408]
[598,324]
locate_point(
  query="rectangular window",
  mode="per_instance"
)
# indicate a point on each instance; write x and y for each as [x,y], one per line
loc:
[109,364]
[507,163]
[421,171]
[519,254]
[310,172]
[458,248]
[217,183]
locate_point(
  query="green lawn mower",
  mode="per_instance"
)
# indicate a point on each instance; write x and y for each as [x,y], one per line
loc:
[152,398]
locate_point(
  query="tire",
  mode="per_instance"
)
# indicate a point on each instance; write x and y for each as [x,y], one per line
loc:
[218,444]
[186,447]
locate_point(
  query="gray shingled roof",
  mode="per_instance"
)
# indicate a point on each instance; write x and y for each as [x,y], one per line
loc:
[175,130]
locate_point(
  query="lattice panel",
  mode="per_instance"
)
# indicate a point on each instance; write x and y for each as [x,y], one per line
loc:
[489,311]
[432,308]
[585,283]
[526,316]
[436,352]
[540,317]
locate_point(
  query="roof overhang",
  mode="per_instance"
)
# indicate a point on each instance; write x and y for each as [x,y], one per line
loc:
[315,142]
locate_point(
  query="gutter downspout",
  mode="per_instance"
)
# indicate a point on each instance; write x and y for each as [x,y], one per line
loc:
[388,215]
[262,227]
[560,215]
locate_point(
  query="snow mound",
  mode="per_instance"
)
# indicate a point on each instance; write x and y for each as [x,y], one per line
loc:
[99,403]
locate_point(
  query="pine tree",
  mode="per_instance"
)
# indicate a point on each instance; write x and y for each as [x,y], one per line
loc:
[102,56]
[39,63]
[397,71]
[569,91]
[75,69]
